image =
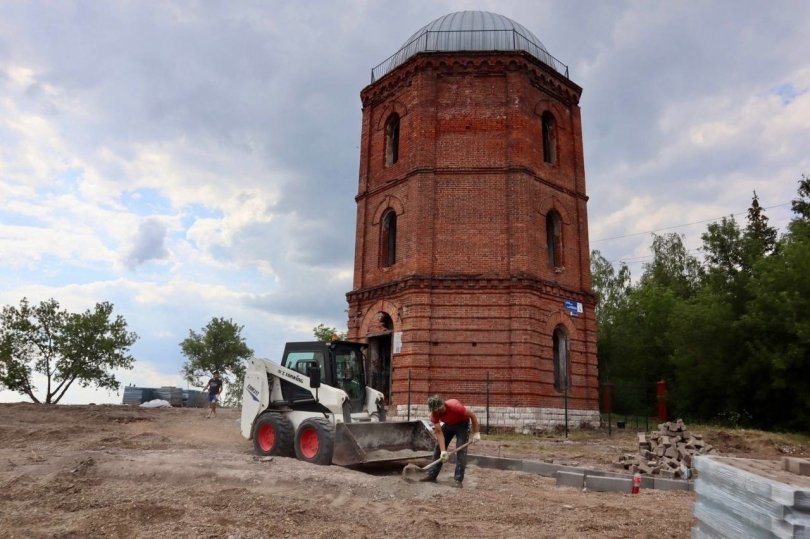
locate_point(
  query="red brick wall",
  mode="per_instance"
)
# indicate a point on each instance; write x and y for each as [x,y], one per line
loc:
[472,290]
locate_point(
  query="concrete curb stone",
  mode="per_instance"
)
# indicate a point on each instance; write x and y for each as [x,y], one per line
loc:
[570,479]
[546,469]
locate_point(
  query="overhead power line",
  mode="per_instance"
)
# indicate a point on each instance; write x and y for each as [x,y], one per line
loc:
[683,225]
[643,258]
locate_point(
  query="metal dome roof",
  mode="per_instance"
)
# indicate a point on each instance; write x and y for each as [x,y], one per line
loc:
[470,31]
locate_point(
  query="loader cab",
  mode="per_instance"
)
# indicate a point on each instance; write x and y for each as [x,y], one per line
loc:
[341,365]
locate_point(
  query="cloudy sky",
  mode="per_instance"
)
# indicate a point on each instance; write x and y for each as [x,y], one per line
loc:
[194,159]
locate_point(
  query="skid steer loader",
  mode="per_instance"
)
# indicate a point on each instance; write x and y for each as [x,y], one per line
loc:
[316,406]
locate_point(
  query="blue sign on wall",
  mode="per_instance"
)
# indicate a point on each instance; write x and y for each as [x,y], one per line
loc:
[574,308]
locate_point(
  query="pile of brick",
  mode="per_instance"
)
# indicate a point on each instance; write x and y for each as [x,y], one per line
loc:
[667,453]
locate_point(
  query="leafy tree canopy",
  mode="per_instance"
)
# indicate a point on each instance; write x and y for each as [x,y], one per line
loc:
[218,347]
[801,205]
[730,332]
[672,266]
[63,347]
[777,328]
[610,286]
[722,249]
[326,333]
[760,237]
[800,226]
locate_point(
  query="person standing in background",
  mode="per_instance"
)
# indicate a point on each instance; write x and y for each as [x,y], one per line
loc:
[214,387]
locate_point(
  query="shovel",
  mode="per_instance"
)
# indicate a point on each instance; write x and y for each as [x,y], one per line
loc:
[412,470]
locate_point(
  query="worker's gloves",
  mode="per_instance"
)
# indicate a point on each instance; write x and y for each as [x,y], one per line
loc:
[445,456]
[476,437]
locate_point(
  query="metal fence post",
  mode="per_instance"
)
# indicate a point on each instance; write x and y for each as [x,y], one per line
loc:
[565,397]
[409,394]
[487,428]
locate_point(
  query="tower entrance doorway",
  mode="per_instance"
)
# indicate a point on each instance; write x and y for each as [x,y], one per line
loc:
[379,358]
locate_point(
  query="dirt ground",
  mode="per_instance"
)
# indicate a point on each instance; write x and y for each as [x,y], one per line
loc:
[120,471]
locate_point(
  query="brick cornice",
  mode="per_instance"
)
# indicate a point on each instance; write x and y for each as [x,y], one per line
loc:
[479,171]
[539,74]
[477,282]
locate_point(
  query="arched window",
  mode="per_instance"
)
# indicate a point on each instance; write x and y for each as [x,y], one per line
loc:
[388,239]
[554,239]
[549,138]
[392,139]
[561,379]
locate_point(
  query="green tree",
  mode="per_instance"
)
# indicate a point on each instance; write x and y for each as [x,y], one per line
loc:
[723,254]
[634,337]
[612,289]
[760,238]
[610,286]
[672,266]
[643,344]
[800,226]
[327,334]
[219,346]
[777,374]
[731,254]
[731,333]
[705,358]
[775,379]
[709,344]
[715,373]
[63,347]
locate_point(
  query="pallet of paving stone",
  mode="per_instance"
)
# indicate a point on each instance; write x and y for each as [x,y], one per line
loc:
[750,498]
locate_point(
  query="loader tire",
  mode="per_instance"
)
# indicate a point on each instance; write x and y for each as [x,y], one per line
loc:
[315,441]
[273,435]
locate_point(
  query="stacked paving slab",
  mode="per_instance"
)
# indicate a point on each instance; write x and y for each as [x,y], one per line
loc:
[752,498]
[669,452]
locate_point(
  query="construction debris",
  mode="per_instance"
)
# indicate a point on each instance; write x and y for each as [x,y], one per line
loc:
[667,453]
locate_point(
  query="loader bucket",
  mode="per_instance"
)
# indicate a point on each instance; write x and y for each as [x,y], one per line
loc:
[373,442]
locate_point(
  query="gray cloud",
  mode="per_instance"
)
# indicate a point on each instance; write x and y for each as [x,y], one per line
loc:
[149,244]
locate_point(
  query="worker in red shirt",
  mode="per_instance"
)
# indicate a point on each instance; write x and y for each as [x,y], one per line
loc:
[451,419]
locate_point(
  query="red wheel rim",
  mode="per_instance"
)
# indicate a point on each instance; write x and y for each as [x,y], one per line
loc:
[310,445]
[266,437]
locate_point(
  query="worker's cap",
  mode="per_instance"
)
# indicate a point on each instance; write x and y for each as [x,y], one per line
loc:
[434,403]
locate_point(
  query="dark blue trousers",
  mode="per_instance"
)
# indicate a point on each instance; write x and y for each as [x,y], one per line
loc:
[461,432]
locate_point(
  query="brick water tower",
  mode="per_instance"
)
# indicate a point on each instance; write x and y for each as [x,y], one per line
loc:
[471,273]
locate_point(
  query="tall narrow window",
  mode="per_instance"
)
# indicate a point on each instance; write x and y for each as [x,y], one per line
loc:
[560,359]
[392,139]
[388,239]
[549,138]
[554,239]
